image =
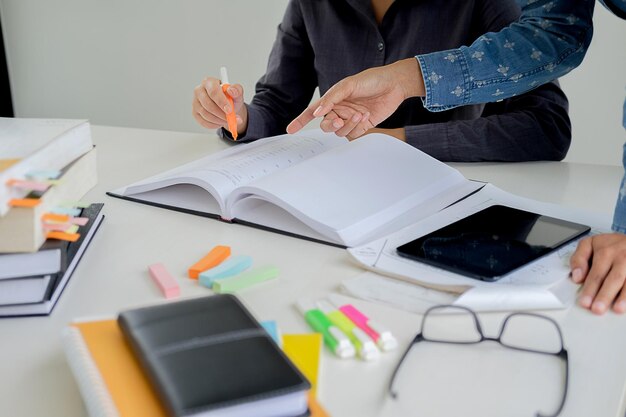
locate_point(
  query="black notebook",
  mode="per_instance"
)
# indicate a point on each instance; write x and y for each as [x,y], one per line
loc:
[209,357]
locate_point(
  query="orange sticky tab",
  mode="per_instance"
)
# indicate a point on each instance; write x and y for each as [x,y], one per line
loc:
[53,217]
[231,117]
[212,259]
[7,163]
[70,237]
[24,202]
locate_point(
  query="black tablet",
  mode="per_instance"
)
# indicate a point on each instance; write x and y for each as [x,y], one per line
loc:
[492,242]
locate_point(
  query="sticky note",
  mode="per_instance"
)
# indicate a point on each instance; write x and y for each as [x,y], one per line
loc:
[43,174]
[164,280]
[52,217]
[305,351]
[271,327]
[24,202]
[70,237]
[212,259]
[80,221]
[228,268]
[28,185]
[74,212]
[62,227]
[7,163]
[72,229]
[245,280]
[72,204]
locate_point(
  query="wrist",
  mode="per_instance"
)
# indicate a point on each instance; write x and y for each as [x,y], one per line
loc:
[409,76]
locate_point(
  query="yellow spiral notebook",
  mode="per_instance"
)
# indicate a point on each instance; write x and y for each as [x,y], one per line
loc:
[112,382]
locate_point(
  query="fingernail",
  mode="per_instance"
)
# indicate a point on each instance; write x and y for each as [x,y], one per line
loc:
[232,92]
[577,275]
[599,307]
[585,301]
[620,307]
[356,118]
[227,108]
[337,123]
[317,111]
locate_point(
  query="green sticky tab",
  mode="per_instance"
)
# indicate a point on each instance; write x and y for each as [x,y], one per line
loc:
[244,280]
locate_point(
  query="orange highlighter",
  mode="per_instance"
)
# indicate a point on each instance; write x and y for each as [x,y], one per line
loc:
[231,118]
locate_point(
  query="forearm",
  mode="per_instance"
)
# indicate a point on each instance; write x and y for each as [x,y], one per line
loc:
[549,40]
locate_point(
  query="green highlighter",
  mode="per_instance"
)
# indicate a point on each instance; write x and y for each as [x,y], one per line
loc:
[365,346]
[334,338]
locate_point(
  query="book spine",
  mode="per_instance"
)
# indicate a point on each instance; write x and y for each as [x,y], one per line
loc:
[90,383]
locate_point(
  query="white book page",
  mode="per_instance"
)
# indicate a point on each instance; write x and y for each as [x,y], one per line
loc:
[353,190]
[221,173]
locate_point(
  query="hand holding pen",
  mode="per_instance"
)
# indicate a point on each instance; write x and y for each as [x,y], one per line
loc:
[220,104]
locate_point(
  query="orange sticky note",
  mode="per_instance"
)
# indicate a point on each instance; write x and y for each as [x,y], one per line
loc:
[7,163]
[53,217]
[70,237]
[212,259]
[24,202]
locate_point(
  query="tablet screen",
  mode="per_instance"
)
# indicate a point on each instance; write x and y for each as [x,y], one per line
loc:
[492,242]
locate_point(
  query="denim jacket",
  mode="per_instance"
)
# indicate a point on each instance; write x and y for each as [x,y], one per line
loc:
[548,41]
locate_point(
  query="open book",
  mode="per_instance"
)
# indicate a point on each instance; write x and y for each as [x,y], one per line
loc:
[313,185]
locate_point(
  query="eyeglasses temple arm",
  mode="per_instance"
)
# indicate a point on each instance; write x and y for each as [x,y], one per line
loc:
[562,354]
[393,393]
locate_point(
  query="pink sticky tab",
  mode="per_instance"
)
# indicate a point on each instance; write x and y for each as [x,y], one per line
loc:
[28,185]
[56,226]
[166,282]
[80,221]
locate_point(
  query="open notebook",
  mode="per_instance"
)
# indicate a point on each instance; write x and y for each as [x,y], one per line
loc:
[313,185]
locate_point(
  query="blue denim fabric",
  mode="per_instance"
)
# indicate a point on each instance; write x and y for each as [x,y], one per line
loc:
[550,38]
[619,217]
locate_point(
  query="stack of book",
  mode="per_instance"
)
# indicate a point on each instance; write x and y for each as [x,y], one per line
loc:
[46,167]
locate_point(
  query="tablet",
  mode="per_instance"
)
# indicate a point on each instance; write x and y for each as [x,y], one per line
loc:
[489,244]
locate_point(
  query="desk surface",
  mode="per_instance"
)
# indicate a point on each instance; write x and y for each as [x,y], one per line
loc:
[488,380]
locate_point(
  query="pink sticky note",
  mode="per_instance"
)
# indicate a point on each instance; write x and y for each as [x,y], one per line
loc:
[28,185]
[166,282]
[80,221]
[56,226]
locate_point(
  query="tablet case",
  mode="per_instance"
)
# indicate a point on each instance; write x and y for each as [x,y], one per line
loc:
[208,354]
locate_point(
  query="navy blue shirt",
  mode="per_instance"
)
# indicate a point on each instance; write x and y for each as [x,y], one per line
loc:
[321,42]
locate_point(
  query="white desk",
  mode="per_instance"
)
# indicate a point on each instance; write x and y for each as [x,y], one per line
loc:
[488,380]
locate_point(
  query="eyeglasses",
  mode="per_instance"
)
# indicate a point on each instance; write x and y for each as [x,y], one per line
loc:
[547,338]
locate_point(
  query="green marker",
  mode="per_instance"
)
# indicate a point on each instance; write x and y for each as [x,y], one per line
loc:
[365,346]
[333,337]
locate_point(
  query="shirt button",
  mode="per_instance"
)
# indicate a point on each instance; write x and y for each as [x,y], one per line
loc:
[381,46]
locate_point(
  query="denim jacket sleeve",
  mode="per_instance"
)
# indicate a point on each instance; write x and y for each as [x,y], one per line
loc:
[550,38]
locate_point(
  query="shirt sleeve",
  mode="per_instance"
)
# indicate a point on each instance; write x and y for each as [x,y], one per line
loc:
[532,127]
[289,81]
[549,39]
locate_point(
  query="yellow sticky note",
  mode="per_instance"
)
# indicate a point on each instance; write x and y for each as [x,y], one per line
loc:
[304,350]
[72,229]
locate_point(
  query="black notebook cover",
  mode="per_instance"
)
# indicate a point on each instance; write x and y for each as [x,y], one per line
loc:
[207,354]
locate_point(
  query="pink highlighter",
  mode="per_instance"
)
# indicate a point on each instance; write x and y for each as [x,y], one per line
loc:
[382,336]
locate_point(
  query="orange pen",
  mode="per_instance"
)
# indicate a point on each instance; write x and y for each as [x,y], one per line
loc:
[231,118]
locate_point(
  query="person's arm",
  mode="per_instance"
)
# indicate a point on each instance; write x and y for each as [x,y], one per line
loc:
[289,82]
[549,40]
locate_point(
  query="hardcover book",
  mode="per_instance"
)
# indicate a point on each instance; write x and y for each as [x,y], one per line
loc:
[312,185]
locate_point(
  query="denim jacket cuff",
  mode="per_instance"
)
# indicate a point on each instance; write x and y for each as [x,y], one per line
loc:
[440,71]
